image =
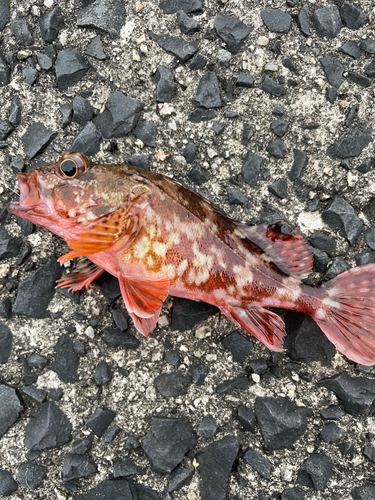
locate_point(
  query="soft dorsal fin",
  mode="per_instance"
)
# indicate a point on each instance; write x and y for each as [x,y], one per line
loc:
[143,300]
[285,247]
[102,234]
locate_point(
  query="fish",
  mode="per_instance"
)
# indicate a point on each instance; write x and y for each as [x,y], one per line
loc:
[159,238]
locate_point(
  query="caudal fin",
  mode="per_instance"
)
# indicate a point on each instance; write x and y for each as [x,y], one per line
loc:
[347,314]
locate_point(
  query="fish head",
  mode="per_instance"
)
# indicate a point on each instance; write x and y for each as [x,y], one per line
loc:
[72,192]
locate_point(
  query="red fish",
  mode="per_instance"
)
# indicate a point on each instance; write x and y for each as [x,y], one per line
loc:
[158,238]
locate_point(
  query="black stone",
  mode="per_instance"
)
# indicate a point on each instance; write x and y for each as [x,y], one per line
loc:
[272,87]
[331,94]
[50,24]
[15,112]
[362,81]
[70,68]
[232,31]
[199,373]
[292,494]
[239,383]
[327,21]
[6,128]
[303,20]
[132,443]
[9,247]
[103,373]
[236,197]
[66,111]
[49,428]
[321,259]
[115,338]
[38,395]
[355,393]
[22,33]
[146,132]
[6,313]
[120,117]
[245,80]
[82,446]
[167,442]
[180,477]
[176,46]
[323,242]
[31,475]
[351,49]
[352,17]
[369,452]
[4,72]
[120,320]
[140,161]
[332,432]
[7,484]
[231,114]
[368,45]
[281,422]
[198,175]
[10,409]
[106,16]
[351,115]
[369,70]
[215,463]
[118,489]
[366,166]
[277,149]
[111,433]
[247,134]
[100,420]
[365,258]
[197,62]
[259,463]
[31,76]
[341,218]
[172,357]
[279,188]
[370,237]
[259,365]
[299,164]
[95,49]
[82,110]
[18,165]
[44,61]
[35,293]
[88,140]
[4,20]
[186,314]
[238,346]
[172,384]
[208,94]
[333,412]
[276,20]
[187,25]
[126,467]
[366,492]
[338,266]
[207,427]
[77,466]
[36,139]
[315,472]
[66,360]
[246,418]
[201,115]
[333,70]
[305,341]
[187,6]
[280,127]
[165,84]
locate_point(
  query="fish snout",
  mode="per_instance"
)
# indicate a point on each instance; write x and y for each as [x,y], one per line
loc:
[29,189]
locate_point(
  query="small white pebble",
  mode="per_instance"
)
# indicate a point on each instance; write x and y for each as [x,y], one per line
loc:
[90,332]
[262,41]
[255,377]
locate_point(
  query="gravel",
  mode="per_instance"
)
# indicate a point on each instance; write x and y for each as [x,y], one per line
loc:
[266,110]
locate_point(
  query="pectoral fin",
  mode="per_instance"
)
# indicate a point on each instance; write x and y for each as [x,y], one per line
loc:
[84,274]
[143,299]
[265,325]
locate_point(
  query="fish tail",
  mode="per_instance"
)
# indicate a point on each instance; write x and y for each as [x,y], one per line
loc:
[347,313]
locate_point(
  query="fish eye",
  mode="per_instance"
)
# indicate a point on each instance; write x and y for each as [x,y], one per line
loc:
[69,168]
[72,165]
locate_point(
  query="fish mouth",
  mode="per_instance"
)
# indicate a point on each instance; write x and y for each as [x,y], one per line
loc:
[29,194]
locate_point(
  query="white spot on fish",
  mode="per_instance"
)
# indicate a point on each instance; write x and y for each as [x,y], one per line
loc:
[159,248]
[331,303]
[170,271]
[182,267]
[150,261]
[220,294]
[142,247]
[321,313]
[202,277]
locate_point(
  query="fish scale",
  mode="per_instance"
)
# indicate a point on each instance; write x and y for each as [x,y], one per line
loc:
[159,238]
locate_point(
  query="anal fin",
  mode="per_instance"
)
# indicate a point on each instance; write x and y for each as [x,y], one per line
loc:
[143,299]
[84,274]
[265,325]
